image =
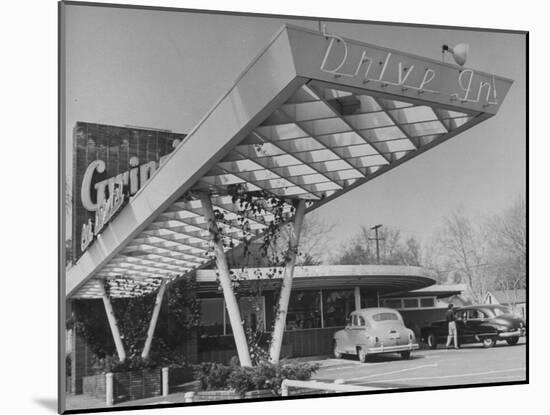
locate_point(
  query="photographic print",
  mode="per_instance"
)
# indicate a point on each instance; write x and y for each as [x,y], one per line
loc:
[265,207]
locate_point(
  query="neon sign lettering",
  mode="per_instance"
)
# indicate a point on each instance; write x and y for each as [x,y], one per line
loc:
[338,51]
[111,193]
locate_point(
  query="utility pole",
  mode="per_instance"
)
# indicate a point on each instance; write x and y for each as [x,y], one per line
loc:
[377,239]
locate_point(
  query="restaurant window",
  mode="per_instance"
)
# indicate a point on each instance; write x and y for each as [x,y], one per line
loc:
[252,311]
[410,303]
[337,305]
[427,302]
[392,303]
[304,310]
[371,302]
[211,314]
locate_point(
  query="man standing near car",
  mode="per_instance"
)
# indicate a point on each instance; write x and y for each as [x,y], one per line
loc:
[450,317]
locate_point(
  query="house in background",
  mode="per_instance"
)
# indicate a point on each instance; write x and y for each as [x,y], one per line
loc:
[515,299]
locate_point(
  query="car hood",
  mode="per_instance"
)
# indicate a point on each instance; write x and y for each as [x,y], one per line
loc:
[508,320]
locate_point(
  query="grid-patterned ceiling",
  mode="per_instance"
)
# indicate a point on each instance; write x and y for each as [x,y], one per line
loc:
[319,142]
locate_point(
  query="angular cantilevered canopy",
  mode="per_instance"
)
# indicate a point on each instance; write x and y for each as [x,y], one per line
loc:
[312,117]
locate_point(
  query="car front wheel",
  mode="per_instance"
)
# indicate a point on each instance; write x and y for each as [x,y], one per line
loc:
[432,341]
[337,354]
[512,340]
[361,354]
[488,342]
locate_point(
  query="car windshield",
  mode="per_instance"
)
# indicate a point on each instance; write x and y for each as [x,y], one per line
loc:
[385,317]
[498,311]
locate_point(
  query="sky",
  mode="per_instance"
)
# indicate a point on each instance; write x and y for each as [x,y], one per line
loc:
[164,69]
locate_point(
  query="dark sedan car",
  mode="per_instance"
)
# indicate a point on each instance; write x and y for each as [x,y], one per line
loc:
[480,323]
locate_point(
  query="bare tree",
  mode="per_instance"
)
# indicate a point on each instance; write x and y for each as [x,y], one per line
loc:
[361,249]
[463,251]
[508,246]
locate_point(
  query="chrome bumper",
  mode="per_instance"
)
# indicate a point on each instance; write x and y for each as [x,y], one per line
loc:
[391,349]
[516,333]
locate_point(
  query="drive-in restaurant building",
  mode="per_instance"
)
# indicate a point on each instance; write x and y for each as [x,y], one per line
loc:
[311,117]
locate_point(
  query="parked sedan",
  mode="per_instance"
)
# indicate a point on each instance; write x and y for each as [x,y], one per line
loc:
[373,331]
[480,323]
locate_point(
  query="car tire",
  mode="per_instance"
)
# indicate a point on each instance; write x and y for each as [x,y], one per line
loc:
[361,354]
[406,354]
[432,341]
[337,354]
[512,340]
[488,342]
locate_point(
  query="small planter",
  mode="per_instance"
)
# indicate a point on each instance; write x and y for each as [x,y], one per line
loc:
[222,395]
[127,386]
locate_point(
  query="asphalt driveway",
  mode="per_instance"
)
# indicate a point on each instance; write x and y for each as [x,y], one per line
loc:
[470,364]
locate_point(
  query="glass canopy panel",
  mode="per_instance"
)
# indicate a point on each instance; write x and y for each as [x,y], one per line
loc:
[356,151]
[326,126]
[331,165]
[259,150]
[223,180]
[373,120]
[275,183]
[393,104]
[345,174]
[422,141]
[426,128]
[368,104]
[280,161]
[399,145]
[239,165]
[302,95]
[310,179]
[323,187]
[318,156]
[413,115]
[296,170]
[341,139]
[259,175]
[368,161]
[301,144]
[281,132]
[307,111]
[382,134]
[453,123]
[330,93]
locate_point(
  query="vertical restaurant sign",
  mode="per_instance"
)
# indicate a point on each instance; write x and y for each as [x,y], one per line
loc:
[110,165]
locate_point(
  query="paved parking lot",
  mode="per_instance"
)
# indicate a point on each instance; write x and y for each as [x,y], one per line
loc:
[468,365]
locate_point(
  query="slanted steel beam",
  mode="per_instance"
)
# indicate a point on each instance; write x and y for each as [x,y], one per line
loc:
[112,322]
[286,288]
[154,318]
[225,281]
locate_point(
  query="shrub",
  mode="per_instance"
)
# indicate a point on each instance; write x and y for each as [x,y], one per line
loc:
[266,375]
[212,376]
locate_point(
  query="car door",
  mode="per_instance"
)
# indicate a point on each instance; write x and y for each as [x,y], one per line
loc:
[348,344]
[475,325]
[461,317]
[357,330]
[469,326]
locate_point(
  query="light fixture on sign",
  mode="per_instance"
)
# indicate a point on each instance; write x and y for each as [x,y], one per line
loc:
[459,52]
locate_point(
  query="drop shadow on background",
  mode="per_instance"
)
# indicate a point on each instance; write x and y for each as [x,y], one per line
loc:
[48,403]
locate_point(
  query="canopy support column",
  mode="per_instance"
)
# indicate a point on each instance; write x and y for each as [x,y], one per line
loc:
[154,318]
[225,281]
[286,288]
[357,295]
[112,322]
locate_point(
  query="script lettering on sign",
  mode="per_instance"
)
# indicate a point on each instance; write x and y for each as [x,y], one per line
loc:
[389,68]
[110,194]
